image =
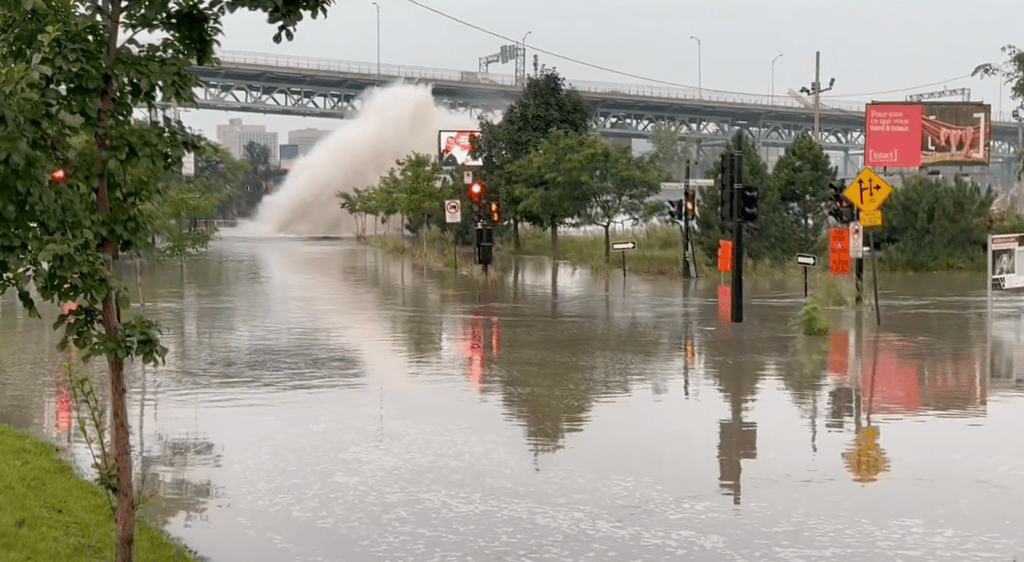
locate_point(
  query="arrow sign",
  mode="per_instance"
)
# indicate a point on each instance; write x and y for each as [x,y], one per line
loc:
[807,260]
[867,190]
[622,246]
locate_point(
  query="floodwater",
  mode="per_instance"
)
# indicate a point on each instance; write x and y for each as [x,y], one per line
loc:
[321,401]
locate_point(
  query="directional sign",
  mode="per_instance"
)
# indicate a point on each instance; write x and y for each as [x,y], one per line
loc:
[621,246]
[867,190]
[871,218]
[452,210]
[807,260]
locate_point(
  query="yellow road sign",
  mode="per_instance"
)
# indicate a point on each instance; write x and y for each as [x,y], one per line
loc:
[867,191]
[871,218]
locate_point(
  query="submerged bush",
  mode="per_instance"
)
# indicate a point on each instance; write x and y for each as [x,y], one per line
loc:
[812,320]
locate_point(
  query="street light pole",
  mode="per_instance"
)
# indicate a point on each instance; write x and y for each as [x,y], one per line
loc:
[523,43]
[773,77]
[376,5]
[700,89]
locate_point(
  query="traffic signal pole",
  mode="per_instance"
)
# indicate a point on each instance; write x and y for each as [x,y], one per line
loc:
[687,255]
[737,247]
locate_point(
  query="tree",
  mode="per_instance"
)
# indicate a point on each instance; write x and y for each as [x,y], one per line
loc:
[801,178]
[711,228]
[67,71]
[418,189]
[932,224]
[547,104]
[671,153]
[620,186]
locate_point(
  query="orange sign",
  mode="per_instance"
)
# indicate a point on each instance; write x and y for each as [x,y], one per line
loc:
[725,255]
[839,250]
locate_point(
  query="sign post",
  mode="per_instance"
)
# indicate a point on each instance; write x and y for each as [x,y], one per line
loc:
[806,260]
[453,214]
[622,247]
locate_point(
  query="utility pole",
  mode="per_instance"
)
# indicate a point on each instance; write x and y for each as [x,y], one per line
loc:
[816,90]
[376,5]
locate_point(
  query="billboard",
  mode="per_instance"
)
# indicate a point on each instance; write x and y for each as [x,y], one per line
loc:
[453,148]
[1007,259]
[912,135]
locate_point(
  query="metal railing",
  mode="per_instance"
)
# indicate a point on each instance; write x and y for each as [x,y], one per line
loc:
[471,77]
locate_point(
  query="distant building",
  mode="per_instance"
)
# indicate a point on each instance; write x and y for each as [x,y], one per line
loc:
[235,136]
[306,138]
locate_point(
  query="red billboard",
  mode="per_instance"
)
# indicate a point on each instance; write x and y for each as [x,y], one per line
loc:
[911,135]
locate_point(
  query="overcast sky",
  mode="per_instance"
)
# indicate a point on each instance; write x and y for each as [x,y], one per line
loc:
[868,46]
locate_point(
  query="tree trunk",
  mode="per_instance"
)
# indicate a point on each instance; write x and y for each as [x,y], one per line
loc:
[554,241]
[515,235]
[112,315]
[607,244]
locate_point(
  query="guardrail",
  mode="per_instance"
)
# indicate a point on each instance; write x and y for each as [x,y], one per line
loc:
[470,77]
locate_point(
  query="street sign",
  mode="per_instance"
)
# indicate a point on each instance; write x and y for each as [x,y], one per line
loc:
[867,190]
[871,218]
[622,246]
[857,238]
[452,210]
[807,260]
[467,177]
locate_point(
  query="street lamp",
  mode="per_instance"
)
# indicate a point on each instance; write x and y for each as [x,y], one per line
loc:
[523,43]
[1018,116]
[816,91]
[773,77]
[376,5]
[700,89]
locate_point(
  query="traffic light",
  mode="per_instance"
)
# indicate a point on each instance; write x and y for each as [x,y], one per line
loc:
[476,192]
[495,208]
[748,204]
[58,175]
[690,205]
[840,207]
[725,183]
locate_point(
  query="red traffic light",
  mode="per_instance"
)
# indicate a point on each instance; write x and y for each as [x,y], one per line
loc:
[476,192]
[58,175]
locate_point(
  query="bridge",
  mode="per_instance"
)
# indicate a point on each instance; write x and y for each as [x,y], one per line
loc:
[317,87]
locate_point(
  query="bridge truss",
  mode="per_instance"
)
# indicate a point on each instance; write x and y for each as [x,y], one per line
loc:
[312,87]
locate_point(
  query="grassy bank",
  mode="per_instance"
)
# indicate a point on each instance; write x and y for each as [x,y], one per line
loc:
[48,513]
[657,253]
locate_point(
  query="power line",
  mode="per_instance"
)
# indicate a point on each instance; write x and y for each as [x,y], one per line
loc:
[647,78]
[898,90]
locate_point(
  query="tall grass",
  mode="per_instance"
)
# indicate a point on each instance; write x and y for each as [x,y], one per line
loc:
[49,514]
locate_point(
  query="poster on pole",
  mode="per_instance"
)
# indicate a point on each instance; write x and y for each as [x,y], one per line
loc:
[1007,262]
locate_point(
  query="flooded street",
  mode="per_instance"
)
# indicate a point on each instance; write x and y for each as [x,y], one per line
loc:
[321,401]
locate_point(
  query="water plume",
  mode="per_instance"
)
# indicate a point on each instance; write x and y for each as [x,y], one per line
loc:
[392,123]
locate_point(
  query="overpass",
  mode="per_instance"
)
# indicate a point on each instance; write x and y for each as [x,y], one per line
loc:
[317,87]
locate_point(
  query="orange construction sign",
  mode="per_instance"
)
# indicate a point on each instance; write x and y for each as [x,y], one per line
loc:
[725,255]
[839,250]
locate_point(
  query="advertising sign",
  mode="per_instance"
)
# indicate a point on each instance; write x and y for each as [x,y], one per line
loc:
[1008,261]
[911,135]
[453,148]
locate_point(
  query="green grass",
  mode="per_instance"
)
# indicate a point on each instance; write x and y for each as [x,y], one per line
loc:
[48,513]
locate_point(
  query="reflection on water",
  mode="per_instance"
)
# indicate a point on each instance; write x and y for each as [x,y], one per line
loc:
[321,401]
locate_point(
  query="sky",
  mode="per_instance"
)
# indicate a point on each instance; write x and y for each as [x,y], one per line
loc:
[870,46]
